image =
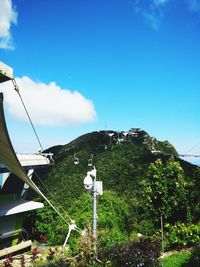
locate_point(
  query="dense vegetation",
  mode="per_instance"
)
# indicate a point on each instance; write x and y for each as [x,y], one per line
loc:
[143,179]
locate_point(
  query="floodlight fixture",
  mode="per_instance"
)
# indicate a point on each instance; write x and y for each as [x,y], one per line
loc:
[6,73]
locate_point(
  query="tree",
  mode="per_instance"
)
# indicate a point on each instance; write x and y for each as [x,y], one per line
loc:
[166,191]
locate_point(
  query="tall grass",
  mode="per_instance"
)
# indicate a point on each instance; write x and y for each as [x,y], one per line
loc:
[176,260]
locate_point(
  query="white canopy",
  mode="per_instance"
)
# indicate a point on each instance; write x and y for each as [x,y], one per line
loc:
[7,153]
[18,206]
[9,159]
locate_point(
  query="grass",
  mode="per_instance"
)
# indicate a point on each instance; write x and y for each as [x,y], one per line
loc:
[176,260]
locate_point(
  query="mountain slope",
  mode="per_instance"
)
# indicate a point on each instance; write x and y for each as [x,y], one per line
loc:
[122,160]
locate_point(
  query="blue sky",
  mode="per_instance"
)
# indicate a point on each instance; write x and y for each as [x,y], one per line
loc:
[85,65]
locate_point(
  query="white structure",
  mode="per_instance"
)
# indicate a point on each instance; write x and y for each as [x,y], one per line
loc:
[14,180]
[6,72]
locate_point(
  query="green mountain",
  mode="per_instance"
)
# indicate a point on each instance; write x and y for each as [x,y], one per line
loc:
[122,160]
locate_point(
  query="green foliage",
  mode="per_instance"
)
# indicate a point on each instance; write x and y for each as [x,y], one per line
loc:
[122,167]
[113,220]
[86,248]
[137,188]
[166,191]
[194,193]
[113,214]
[54,257]
[177,260]
[181,235]
[145,226]
[142,252]
[50,225]
[166,148]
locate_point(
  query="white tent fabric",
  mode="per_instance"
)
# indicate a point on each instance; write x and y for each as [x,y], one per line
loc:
[10,160]
[18,206]
[7,153]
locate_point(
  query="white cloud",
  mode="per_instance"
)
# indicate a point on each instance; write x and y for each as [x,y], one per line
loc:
[7,16]
[151,11]
[48,104]
[152,20]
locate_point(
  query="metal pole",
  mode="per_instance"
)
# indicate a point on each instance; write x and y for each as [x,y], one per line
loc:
[67,237]
[162,232]
[95,218]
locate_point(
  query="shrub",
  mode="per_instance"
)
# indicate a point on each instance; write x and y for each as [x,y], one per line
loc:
[181,235]
[142,252]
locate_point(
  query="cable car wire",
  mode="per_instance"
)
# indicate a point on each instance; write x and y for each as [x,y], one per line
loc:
[192,148]
[72,222]
[27,113]
[52,195]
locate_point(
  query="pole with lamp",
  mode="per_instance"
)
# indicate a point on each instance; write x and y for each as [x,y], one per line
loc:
[95,188]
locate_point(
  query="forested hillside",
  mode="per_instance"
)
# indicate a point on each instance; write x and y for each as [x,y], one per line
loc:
[143,180]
